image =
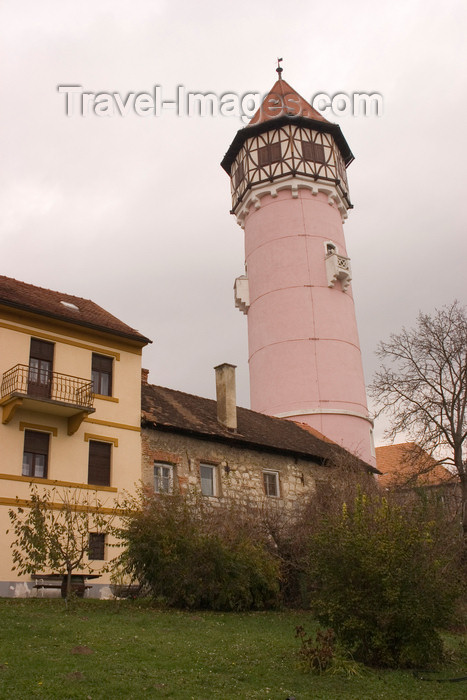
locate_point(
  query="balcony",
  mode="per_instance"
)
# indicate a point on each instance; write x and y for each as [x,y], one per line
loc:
[46,392]
[338,268]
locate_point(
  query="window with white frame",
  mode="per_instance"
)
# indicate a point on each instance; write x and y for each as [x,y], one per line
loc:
[271,483]
[208,476]
[163,477]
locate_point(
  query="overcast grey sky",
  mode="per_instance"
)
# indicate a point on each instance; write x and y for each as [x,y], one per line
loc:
[133,212]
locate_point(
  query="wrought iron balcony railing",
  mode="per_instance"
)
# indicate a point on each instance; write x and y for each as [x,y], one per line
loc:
[32,382]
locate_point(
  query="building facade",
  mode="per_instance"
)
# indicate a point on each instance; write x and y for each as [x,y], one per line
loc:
[70,402]
[229,454]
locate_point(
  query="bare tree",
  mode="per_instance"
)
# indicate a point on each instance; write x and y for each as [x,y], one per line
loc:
[53,530]
[422,387]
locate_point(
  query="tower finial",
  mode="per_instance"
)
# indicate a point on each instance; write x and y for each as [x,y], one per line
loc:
[279,69]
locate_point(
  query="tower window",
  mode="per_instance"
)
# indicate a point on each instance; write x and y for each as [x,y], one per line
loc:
[271,153]
[238,175]
[313,151]
[330,248]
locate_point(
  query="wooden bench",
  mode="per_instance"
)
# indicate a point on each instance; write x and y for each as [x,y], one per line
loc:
[58,581]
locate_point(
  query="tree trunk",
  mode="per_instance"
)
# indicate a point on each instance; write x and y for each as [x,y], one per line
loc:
[68,583]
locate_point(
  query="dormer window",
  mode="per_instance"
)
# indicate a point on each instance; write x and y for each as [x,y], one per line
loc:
[271,153]
[70,306]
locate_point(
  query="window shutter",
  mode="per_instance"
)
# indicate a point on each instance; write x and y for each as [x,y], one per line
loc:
[319,156]
[271,153]
[99,463]
[36,442]
[101,363]
[96,545]
[42,350]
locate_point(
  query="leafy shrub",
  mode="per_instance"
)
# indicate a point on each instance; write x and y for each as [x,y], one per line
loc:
[316,655]
[193,556]
[382,583]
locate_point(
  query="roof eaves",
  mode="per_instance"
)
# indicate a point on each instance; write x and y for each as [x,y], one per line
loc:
[233,439]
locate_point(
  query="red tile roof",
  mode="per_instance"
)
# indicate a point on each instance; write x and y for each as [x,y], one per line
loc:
[176,411]
[283,100]
[406,464]
[82,312]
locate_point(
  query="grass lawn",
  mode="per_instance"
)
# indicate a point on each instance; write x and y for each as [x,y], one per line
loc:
[140,652]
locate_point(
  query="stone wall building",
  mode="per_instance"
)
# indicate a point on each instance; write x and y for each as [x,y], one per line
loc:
[187,444]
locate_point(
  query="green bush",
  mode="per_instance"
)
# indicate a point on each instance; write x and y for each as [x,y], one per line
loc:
[382,582]
[192,556]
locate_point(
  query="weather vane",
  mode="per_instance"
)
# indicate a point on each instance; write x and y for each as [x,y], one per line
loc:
[279,69]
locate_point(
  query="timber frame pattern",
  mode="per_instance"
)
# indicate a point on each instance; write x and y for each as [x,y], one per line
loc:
[296,146]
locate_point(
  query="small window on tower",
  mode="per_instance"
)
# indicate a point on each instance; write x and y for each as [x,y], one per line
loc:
[330,248]
[313,151]
[271,153]
[239,173]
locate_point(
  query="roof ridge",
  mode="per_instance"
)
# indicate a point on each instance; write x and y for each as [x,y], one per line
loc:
[68,308]
[47,289]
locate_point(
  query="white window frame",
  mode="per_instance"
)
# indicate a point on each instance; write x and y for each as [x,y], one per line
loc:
[269,473]
[214,490]
[167,479]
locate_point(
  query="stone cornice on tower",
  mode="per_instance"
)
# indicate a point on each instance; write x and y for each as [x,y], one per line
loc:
[254,196]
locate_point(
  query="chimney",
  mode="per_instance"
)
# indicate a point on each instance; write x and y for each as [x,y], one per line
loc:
[226,395]
[144,376]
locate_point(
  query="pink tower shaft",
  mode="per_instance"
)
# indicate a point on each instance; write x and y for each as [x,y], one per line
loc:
[304,354]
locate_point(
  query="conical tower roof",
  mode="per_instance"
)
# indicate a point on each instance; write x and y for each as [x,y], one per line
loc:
[283,100]
[283,105]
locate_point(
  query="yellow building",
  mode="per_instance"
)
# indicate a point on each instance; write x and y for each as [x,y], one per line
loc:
[70,403]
